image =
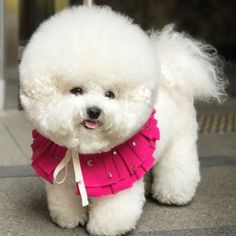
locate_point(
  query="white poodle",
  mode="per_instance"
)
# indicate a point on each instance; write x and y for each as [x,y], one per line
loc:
[90,78]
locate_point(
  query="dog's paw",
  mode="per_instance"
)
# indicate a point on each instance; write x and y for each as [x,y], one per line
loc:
[109,226]
[169,197]
[68,221]
[174,189]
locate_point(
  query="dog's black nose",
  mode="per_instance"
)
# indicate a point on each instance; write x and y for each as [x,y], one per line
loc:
[93,112]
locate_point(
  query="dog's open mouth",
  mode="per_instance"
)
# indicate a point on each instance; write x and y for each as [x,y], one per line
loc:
[90,124]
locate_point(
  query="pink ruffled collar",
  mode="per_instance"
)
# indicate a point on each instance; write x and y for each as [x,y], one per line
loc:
[103,173]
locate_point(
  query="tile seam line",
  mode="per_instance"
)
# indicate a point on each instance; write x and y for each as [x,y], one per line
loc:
[17,177]
[223,227]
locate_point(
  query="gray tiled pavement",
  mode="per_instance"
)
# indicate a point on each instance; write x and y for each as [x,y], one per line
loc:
[23,209]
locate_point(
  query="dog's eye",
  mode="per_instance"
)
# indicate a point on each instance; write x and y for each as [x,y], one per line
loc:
[77,91]
[110,94]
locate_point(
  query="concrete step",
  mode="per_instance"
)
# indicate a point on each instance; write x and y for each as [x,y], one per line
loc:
[23,209]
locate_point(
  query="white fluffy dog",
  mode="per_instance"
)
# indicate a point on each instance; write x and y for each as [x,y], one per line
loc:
[113,65]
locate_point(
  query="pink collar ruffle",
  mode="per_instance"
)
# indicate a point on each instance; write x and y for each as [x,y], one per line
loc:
[103,173]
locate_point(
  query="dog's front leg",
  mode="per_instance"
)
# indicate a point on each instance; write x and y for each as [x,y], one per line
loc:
[116,214]
[65,206]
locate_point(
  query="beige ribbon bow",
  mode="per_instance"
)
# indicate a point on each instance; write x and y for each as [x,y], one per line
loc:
[73,154]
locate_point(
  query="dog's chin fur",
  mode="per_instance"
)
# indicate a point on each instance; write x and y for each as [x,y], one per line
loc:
[98,50]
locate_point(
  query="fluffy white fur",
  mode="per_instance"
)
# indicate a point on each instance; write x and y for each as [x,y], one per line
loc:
[99,50]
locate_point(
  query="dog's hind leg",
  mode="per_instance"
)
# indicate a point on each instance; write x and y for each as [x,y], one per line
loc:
[176,173]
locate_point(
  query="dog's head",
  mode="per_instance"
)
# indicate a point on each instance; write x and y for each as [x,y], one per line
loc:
[89,78]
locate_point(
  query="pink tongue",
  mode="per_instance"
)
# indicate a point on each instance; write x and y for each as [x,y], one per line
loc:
[90,124]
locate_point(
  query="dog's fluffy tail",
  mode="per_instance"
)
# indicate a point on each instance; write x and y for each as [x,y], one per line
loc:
[188,66]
